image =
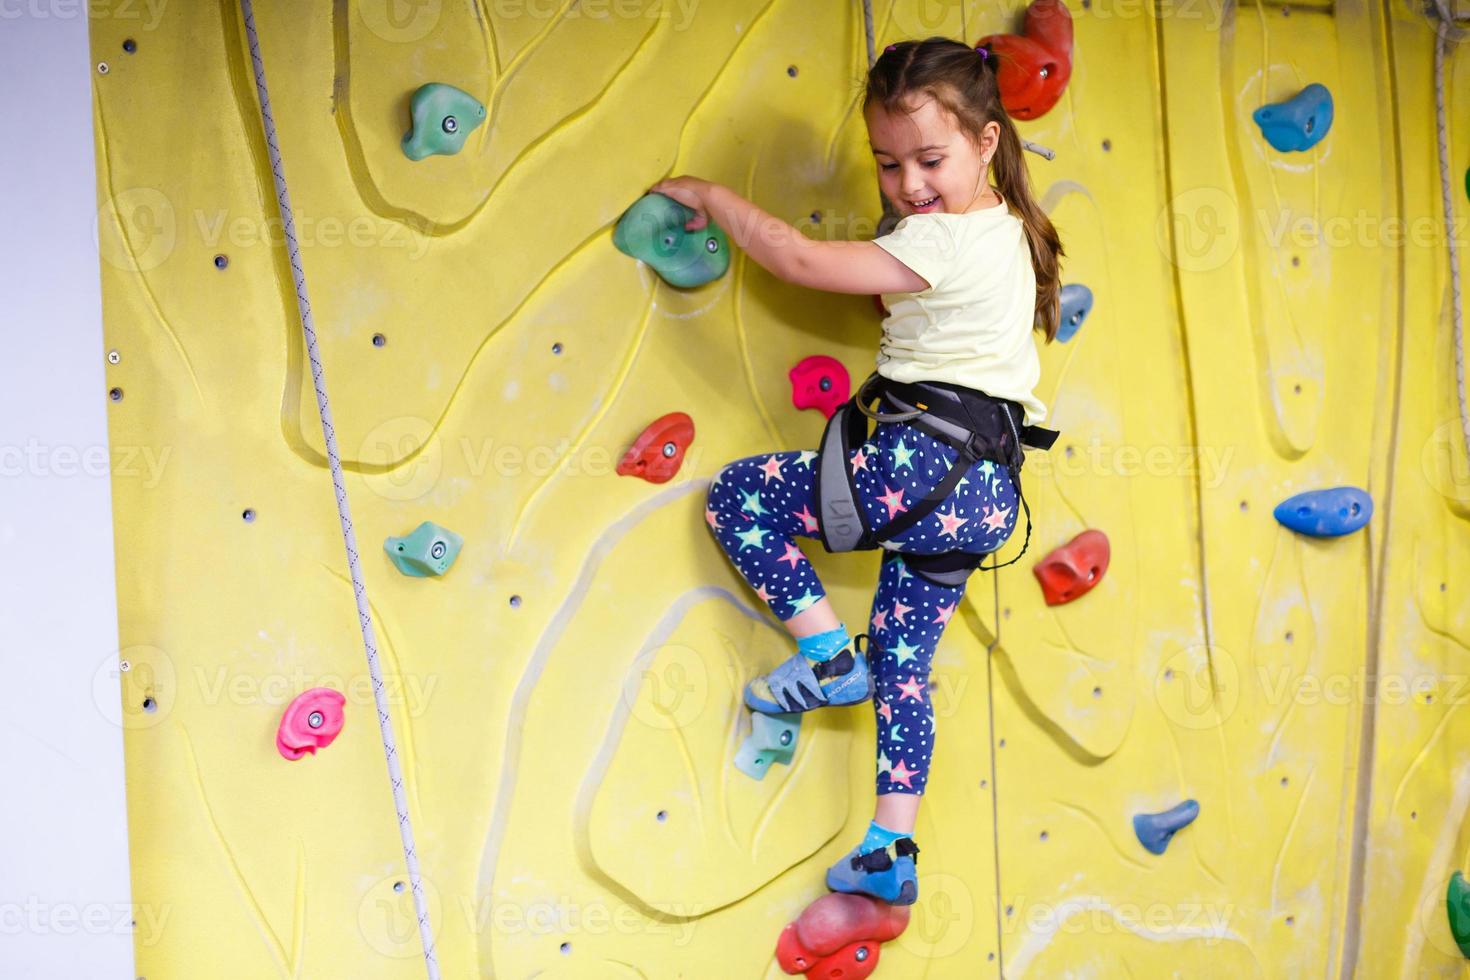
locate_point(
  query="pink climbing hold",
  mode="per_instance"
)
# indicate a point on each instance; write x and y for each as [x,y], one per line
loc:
[820,382]
[310,722]
[1073,569]
[839,936]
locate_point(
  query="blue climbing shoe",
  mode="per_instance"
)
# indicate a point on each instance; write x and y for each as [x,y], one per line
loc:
[801,684]
[888,874]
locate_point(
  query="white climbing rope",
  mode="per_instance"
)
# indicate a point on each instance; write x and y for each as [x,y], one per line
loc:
[1447,32]
[364,615]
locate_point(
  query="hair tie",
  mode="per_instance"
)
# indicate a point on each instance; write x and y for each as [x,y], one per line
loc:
[889,48]
[984,52]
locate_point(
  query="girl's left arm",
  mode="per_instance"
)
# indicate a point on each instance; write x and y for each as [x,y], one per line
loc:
[836,266]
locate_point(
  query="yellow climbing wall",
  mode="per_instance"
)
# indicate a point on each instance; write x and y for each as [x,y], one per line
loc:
[565,699]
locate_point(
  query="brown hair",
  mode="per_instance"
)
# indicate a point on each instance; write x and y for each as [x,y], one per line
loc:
[963,82]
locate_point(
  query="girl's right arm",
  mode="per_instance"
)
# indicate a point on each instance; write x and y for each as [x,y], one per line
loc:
[837,267]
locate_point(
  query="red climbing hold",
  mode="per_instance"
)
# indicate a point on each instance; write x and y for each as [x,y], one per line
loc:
[1034,65]
[1074,568]
[820,382]
[310,722]
[839,936]
[658,451]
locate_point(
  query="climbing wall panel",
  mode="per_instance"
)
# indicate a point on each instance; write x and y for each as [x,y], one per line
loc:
[1417,818]
[1078,697]
[566,697]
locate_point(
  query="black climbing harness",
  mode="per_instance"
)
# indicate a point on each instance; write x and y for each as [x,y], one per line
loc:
[978,426]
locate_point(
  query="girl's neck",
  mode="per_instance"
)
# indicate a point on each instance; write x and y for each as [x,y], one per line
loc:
[990,199]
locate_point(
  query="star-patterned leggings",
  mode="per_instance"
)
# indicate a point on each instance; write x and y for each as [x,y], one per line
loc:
[759,505]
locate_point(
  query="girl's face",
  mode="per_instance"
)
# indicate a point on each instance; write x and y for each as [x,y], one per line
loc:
[925,164]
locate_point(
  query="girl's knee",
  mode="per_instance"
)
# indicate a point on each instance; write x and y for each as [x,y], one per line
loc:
[720,487]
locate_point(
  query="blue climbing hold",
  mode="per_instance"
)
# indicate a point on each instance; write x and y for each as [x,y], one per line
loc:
[1300,122]
[1326,513]
[1154,830]
[1076,304]
[429,550]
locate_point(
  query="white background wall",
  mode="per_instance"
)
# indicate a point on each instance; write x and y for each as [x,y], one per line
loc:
[65,905]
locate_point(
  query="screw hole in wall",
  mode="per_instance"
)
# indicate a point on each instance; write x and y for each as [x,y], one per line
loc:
[398,886]
[556,348]
[150,705]
[515,602]
[566,948]
[115,394]
[791,71]
[130,45]
[379,340]
[248,515]
[221,261]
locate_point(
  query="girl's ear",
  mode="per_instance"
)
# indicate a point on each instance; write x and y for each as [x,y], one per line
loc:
[990,137]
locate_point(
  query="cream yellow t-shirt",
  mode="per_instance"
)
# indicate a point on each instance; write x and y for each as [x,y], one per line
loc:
[973,325]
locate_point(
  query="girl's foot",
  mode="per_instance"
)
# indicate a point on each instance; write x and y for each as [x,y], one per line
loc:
[802,684]
[888,873]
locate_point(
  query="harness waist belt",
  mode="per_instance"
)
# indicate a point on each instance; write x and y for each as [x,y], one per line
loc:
[977,425]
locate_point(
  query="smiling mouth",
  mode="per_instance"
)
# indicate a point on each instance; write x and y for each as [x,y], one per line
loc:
[924,204]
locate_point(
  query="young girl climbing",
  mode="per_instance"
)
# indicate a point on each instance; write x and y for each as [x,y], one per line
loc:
[967,274]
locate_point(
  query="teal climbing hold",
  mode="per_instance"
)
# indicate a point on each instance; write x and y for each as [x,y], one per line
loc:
[1155,830]
[653,230]
[429,550]
[442,117]
[772,739]
[1457,906]
[1327,513]
[1300,122]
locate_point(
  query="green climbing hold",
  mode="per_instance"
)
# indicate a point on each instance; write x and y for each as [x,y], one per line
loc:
[1457,904]
[772,738]
[429,550]
[653,230]
[442,117]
